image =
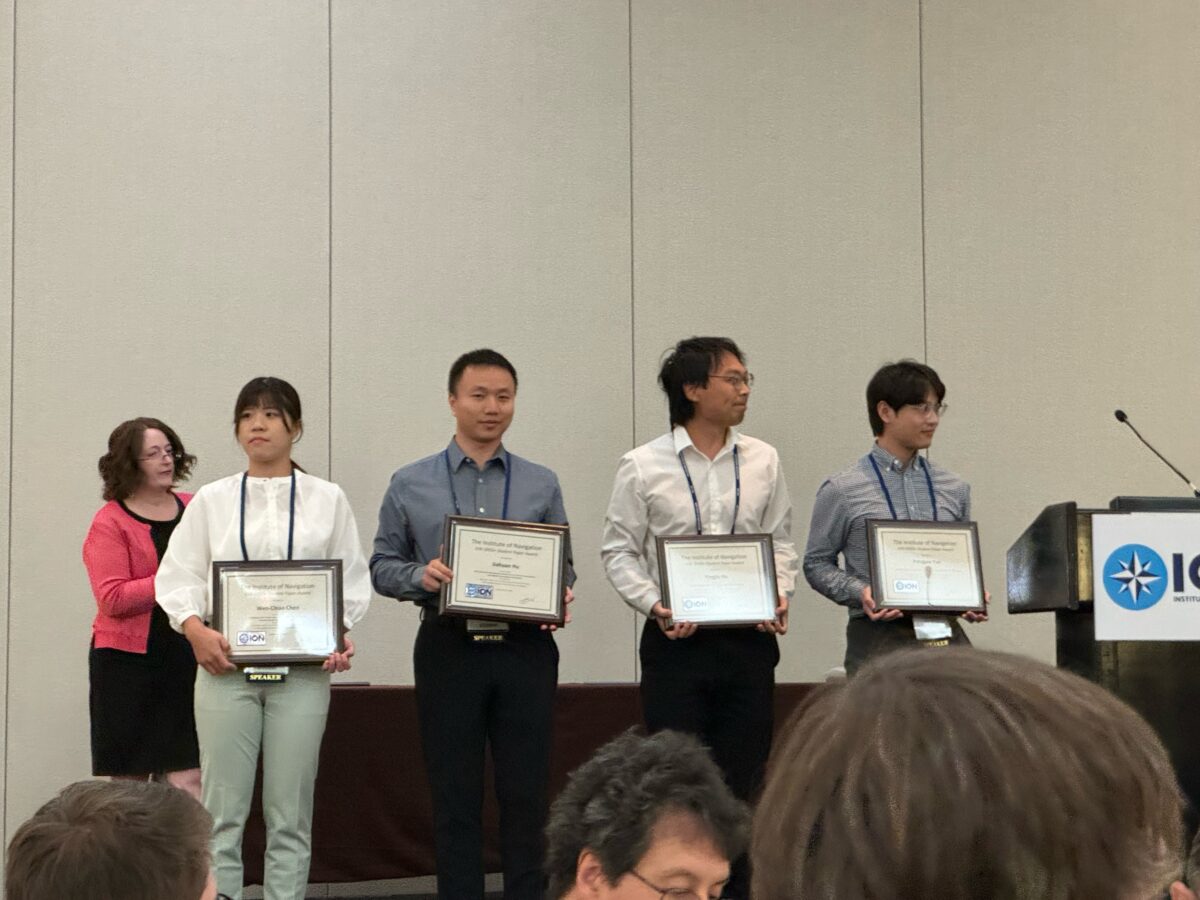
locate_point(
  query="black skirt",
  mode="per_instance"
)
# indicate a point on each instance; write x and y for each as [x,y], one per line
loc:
[141,705]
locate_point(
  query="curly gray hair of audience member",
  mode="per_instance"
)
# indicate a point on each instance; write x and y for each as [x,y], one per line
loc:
[101,840]
[966,774]
[613,801]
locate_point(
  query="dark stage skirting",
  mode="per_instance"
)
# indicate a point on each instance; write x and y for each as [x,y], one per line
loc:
[372,813]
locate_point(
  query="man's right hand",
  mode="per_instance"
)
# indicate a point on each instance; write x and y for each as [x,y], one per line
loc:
[874,613]
[435,575]
[675,631]
[208,646]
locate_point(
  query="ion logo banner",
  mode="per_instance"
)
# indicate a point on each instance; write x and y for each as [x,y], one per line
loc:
[1146,574]
[1135,577]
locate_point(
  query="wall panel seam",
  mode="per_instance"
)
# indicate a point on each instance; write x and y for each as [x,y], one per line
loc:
[12,356]
[329,235]
[921,143]
[632,292]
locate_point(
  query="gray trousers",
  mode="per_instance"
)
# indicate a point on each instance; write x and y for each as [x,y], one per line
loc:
[866,640]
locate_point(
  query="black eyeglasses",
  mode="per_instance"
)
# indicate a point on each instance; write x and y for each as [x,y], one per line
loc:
[669,893]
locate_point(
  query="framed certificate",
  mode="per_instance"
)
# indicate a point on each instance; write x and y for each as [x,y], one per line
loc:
[925,566]
[504,571]
[718,579]
[279,611]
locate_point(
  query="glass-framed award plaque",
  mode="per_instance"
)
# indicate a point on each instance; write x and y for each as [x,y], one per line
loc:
[919,566]
[718,579]
[279,612]
[505,571]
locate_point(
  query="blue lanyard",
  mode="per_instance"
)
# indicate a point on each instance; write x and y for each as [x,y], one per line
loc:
[291,517]
[507,482]
[888,497]
[737,490]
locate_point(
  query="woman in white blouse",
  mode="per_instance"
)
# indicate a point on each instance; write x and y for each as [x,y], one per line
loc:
[273,510]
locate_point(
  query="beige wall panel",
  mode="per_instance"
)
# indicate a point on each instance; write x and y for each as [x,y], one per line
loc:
[1063,206]
[777,200]
[6,119]
[481,198]
[172,241]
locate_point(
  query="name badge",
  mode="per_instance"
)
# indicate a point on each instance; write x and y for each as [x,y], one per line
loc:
[484,630]
[266,674]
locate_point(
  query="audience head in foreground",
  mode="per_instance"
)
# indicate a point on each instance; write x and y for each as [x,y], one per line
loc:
[100,840]
[645,815]
[966,775]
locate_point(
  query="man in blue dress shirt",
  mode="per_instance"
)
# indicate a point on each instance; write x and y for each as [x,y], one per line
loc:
[476,682]
[893,481]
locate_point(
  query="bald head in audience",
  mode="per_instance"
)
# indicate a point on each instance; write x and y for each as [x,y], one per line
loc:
[644,816]
[120,840]
[967,775]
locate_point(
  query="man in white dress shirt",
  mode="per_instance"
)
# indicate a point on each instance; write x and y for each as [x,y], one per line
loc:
[704,477]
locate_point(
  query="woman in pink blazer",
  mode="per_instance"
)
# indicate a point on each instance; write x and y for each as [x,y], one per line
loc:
[141,672]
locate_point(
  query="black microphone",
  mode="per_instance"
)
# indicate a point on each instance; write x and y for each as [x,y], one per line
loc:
[1124,419]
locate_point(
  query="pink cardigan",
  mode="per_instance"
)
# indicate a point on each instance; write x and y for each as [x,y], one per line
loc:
[121,563]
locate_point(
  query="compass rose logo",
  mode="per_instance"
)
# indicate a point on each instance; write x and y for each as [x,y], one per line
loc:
[1135,577]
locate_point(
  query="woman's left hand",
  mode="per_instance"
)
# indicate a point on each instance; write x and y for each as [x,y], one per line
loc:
[340,662]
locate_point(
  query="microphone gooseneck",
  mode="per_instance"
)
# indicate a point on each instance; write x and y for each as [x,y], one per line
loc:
[1124,419]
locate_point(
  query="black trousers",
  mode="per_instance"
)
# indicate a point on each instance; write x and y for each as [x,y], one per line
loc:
[719,685]
[866,640]
[474,693]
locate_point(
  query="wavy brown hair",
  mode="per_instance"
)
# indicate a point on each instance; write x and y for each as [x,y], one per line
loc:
[966,775]
[119,469]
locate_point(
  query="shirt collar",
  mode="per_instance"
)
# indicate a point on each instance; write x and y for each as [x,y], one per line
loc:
[457,456]
[683,440]
[889,462]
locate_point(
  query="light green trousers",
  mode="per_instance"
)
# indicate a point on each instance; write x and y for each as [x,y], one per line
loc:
[234,720]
